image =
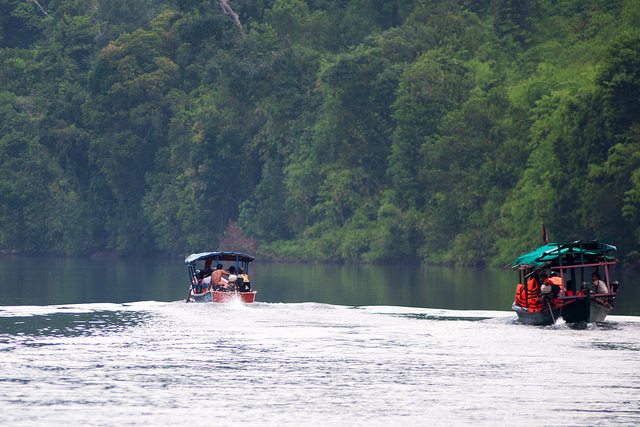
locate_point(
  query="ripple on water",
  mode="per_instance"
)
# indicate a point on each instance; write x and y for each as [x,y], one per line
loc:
[308,364]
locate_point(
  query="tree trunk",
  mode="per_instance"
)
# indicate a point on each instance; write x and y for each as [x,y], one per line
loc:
[39,6]
[224,4]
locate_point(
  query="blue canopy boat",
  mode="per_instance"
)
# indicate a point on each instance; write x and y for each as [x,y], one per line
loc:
[234,283]
[538,303]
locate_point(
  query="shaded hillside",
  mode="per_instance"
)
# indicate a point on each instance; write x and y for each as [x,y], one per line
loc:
[438,131]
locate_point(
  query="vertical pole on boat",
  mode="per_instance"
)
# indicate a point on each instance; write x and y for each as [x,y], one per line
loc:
[191,274]
[606,277]
[550,310]
[587,288]
[523,280]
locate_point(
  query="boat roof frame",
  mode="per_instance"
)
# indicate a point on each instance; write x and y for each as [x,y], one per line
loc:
[218,256]
[578,253]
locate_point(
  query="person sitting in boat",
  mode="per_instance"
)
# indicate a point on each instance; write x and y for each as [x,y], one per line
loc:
[229,279]
[597,285]
[570,291]
[549,290]
[232,284]
[206,281]
[545,287]
[245,284]
[218,281]
[555,282]
[198,286]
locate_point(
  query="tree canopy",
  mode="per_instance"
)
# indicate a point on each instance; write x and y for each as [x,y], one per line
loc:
[441,131]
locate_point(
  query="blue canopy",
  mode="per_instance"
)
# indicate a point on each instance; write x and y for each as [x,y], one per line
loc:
[218,256]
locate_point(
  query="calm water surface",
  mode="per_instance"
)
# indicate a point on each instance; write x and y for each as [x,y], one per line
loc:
[111,343]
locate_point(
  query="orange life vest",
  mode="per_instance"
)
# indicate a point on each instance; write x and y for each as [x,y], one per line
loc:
[533,291]
[520,295]
[555,281]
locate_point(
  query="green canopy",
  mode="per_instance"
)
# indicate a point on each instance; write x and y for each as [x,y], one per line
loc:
[556,254]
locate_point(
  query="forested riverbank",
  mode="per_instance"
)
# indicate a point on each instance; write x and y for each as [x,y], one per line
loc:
[423,130]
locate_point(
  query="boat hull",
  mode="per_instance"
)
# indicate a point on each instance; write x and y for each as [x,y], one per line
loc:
[584,309]
[536,318]
[222,297]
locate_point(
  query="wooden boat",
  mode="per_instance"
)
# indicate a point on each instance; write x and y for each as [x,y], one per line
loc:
[234,287]
[545,316]
[574,262]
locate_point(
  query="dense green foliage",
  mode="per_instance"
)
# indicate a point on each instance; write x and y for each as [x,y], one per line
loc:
[426,130]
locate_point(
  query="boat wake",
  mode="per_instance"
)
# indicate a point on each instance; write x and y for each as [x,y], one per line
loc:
[237,305]
[331,364]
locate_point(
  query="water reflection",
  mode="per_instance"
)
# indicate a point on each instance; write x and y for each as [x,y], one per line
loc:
[46,281]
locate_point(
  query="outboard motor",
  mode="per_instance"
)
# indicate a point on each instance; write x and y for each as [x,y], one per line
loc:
[614,286]
[545,289]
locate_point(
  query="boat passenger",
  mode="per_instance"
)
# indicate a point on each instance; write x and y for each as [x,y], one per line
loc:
[597,285]
[217,279]
[232,282]
[545,287]
[556,284]
[197,282]
[206,282]
[569,291]
[245,283]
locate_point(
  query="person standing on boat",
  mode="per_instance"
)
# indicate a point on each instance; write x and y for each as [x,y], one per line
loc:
[597,285]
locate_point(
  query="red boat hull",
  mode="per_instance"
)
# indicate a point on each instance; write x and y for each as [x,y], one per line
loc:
[245,297]
[222,297]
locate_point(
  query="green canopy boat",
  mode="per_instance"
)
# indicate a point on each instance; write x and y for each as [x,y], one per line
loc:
[569,280]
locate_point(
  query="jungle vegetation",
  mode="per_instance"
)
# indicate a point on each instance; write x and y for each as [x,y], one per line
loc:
[438,131]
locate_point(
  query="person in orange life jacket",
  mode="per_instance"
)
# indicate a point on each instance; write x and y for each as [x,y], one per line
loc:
[548,287]
[556,283]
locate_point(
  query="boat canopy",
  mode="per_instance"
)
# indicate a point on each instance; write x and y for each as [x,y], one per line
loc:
[565,254]
[218,256]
